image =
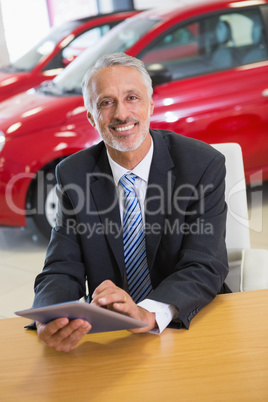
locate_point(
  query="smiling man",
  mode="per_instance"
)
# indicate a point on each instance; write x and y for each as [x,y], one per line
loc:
[120,108]
[152,192]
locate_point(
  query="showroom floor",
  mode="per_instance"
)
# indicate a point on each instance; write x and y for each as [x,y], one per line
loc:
[22,253]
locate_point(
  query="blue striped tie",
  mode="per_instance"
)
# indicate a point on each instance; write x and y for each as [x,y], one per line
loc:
[137,271]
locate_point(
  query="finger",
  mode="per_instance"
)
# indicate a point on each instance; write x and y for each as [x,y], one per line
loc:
[107,294]
[118,296]
[128,308]
[102,287]
[131,309]
[70,342]
[66,338]
[74,325]
[47,330]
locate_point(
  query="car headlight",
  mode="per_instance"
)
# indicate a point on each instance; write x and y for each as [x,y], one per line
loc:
[2,140]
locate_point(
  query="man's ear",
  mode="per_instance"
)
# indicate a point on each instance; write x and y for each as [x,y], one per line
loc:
[90,118]
[151,106]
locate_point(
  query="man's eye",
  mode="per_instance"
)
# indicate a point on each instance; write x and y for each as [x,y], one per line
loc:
[105,103]
[132,97]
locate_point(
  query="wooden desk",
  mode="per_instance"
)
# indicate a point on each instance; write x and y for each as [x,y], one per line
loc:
[223,357]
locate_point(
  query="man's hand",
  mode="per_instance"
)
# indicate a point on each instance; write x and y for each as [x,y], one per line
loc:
[116,299]
[62,334]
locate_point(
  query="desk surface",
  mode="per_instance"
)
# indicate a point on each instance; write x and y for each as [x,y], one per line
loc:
[222,357]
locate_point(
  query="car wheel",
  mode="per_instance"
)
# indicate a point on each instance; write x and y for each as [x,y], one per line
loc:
[45,202]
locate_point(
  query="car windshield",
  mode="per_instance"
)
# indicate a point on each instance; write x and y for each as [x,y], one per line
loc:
[29,60]
[119,39]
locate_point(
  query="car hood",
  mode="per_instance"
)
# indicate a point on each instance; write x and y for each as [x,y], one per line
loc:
[8,80]
[30,111]
[8,76]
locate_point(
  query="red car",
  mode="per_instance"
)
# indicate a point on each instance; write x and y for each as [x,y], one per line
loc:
[50,56]
[209,66]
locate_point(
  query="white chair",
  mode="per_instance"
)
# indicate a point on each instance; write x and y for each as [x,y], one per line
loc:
[254,270]
[237,226]
[248,267]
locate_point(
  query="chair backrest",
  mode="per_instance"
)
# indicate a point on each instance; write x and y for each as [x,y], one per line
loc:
[237,227]
[222,57]
[254,269]
[223,32]
[258,51]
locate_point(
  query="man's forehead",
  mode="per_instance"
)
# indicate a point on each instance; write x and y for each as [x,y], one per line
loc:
[113,71]
[127,77]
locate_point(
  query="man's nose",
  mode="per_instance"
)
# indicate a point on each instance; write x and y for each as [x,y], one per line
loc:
[121,111]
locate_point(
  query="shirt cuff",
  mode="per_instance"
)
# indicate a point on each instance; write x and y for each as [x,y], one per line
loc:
[164,313]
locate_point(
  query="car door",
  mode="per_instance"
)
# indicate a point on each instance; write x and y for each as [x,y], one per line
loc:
[219,86]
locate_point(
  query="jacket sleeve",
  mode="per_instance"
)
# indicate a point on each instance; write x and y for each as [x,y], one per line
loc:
[200,266]
[63,275]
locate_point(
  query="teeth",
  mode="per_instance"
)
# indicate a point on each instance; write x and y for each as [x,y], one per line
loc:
[124,128]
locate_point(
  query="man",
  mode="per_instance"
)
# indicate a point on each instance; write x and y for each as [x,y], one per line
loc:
[178,190]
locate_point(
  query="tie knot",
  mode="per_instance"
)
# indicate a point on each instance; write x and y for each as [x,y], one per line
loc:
[128,181]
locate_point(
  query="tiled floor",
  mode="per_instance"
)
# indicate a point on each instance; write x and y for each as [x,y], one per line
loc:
[22,253]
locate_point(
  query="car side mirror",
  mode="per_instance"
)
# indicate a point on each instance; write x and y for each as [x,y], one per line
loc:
[159,74]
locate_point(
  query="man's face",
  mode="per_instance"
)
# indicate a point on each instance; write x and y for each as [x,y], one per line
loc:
[121,107]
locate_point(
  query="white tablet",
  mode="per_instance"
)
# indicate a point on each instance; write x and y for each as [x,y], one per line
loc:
[101,319]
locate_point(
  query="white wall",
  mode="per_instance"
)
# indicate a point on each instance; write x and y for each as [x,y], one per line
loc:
[65,10]
[4,57]
[106,6]
[25,22]
[144,4]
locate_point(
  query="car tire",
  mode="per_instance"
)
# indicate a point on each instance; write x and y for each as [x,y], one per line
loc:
[45,202]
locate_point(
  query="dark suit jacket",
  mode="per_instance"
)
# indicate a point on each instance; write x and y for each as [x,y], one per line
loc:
[185,226]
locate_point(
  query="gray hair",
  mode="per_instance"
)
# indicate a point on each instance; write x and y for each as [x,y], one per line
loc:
[114,59]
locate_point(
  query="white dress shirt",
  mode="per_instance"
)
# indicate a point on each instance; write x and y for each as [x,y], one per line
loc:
[164,313]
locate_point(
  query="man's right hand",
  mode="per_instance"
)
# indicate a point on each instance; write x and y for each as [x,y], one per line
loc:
[62,334]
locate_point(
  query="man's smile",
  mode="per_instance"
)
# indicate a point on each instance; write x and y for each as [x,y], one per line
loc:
[125,128]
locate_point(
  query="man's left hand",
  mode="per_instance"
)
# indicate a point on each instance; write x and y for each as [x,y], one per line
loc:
[108,295]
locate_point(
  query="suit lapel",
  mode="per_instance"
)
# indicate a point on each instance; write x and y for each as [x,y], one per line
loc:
[158,197]
[104,194]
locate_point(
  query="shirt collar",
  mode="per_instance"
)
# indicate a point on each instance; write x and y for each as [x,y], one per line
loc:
[142,170]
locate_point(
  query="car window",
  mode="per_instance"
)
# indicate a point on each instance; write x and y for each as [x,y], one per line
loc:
[210,44]
[182,43]
[44,47]
[81,42]
[76,46]
[119,39]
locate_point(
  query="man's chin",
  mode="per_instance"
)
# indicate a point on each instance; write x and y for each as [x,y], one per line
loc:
[126,145]
[124,148]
